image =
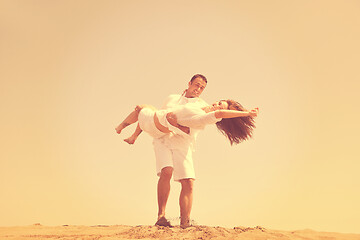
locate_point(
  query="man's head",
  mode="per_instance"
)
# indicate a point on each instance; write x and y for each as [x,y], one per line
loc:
[196,86]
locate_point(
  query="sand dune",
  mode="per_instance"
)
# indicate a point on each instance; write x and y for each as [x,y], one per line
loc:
[102,232]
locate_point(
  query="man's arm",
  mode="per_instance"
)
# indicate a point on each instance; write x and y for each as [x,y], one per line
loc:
[171,118]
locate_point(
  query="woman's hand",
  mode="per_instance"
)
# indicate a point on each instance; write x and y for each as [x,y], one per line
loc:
[254,112]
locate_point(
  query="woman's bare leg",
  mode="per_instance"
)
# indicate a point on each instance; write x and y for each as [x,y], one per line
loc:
[130,119]
[133,117]
[132,138]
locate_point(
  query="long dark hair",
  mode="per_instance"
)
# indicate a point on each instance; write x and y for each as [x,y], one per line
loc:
[236,129]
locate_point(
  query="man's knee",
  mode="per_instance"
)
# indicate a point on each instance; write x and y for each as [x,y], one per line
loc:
[138,108]
[187,184]
[166,173]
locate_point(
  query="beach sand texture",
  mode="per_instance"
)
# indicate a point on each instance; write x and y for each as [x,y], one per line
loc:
[104,232]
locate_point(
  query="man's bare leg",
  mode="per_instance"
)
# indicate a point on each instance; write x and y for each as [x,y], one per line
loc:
[132,138]
[186,198]
[163,190]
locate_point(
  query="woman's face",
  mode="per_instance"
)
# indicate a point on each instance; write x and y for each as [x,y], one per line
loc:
[220,105]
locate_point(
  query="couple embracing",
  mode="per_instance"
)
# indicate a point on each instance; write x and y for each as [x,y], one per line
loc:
[174,129]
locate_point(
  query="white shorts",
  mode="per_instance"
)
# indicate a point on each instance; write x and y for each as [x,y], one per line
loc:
[179,159]
[147,124]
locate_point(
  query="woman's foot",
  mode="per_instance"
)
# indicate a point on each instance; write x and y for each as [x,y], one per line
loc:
[118,129]
[121,127]
[130,140]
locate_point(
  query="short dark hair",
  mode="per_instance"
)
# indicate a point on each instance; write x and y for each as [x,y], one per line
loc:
[198,76]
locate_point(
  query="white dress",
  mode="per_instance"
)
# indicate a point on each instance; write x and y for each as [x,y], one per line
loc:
[189,115]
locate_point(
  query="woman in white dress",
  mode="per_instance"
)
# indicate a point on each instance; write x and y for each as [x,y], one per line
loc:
[234,121]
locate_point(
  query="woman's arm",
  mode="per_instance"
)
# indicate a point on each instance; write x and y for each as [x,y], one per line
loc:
[224,113]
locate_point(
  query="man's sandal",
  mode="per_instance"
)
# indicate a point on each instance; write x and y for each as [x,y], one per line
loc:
[163,222]
[186,224]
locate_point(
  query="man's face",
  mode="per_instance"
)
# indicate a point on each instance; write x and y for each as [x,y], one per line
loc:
[196,87]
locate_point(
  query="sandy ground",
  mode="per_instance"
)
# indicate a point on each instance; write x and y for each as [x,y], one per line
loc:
[100,232]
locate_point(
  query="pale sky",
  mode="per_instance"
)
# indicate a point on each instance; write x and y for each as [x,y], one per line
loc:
[70,71]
